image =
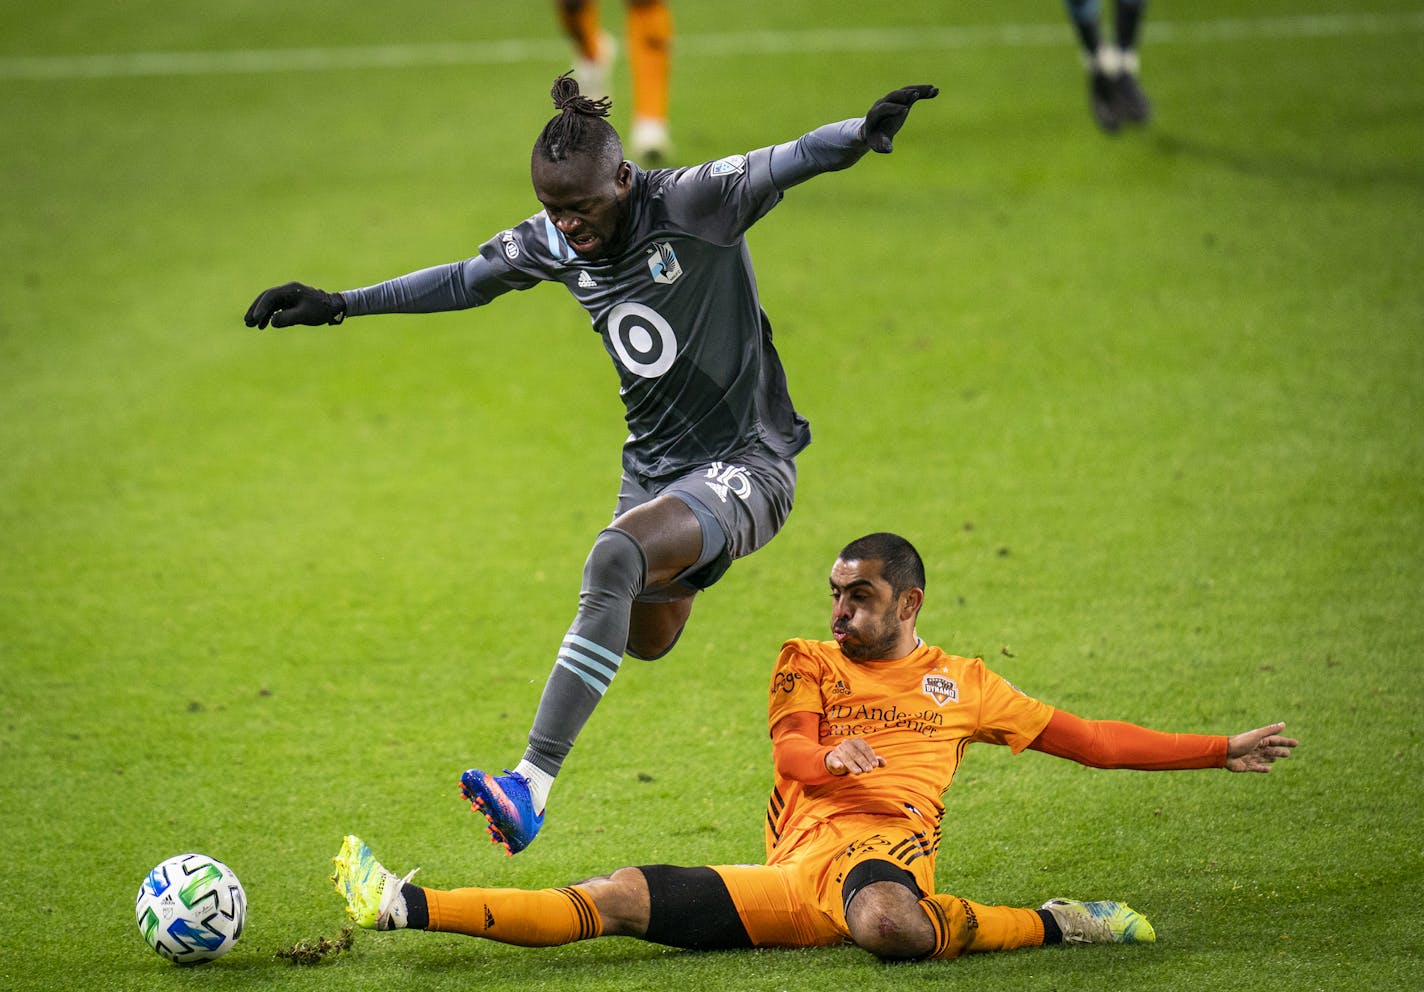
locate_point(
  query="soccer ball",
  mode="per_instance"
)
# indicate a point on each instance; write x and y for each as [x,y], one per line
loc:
[191,909]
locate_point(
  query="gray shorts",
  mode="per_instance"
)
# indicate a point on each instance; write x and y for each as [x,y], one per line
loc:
[748,498]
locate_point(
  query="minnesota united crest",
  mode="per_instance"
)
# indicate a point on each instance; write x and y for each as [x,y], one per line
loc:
[941,688]
[663,263]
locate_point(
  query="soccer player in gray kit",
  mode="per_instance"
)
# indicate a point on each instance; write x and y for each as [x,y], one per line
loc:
[660,261]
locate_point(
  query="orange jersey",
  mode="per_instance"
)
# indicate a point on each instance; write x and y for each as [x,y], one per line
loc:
[919,713]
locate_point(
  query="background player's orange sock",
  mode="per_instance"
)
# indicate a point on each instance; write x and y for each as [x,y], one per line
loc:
[964,927]
[580,22]
[542,918]
[649,51]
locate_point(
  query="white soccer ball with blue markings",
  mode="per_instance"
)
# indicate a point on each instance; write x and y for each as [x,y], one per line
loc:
[191,909]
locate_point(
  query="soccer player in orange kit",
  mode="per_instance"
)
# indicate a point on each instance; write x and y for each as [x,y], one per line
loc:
[649,35]
[867,732]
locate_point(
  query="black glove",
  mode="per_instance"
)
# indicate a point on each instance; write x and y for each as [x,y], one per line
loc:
[889,113]
[295,303]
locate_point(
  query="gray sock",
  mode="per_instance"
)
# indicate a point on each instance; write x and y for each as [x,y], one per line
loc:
[615,572]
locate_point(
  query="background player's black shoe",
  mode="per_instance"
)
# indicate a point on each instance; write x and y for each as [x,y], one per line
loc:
[1102,99]
[1130,103]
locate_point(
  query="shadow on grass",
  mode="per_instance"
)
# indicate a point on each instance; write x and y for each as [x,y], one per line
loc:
[1261,162]
[632,965]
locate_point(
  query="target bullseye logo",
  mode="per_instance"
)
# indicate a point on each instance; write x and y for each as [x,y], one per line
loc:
[642,339]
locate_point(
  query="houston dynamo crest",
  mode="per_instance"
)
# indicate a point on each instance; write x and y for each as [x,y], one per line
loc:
[941,688]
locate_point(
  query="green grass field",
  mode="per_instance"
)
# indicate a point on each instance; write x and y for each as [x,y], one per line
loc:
[1152,407]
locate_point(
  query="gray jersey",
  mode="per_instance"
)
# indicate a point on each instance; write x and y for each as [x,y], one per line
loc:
[676,305]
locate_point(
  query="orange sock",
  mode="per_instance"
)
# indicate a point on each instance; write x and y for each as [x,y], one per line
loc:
[542,918]
[964,927]
[579,19]
[649,50]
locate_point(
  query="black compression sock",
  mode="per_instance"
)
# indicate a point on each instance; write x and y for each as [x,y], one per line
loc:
[1052,933]
[417,910]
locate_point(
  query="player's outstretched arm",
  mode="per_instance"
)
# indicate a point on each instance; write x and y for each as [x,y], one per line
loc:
[1256,750]
[832,147]
[885,118]
[295,303]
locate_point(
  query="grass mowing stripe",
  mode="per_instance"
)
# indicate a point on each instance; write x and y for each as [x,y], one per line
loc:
[919,38]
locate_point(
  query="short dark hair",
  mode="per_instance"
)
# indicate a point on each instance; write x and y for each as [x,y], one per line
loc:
[580,128]
[900,563]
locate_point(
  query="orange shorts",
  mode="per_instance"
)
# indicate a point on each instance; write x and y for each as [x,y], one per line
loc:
[797,899]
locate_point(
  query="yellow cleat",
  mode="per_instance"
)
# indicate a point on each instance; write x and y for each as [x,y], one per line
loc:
[373,894]
[1100,922]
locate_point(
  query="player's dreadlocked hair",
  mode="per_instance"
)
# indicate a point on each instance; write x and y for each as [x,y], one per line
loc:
[580,128]
[901,565]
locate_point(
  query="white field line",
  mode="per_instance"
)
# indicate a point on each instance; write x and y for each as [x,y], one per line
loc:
[827,41]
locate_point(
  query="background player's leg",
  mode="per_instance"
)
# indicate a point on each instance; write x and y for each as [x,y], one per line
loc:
[1133,107]
[592,45]
[650,59]
[1102,62]
[1086,18]
[1129,22]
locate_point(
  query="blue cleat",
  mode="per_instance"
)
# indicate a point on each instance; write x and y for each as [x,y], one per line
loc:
[504,801]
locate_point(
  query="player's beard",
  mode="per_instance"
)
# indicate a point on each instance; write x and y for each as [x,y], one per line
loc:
[874,641]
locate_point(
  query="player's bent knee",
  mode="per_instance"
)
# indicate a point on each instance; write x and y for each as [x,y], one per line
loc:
[893,936]
[885,919]
[622,902]
[616,564]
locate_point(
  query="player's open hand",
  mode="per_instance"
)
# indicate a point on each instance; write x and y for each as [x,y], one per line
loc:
[1256,750]
[295,303]
[888,115]
[853,756]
